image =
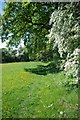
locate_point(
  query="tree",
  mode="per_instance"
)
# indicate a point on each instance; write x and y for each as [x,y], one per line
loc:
[65,33]
[65,27]
[27,22]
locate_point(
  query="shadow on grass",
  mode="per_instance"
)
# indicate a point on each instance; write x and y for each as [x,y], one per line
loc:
[44,70]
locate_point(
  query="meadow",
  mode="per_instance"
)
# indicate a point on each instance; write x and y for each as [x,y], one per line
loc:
[32,90]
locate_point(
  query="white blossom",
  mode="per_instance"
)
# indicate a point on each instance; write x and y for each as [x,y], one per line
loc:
[61,112]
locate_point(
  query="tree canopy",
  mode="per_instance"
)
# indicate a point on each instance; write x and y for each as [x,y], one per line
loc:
[21,20]
[28,22]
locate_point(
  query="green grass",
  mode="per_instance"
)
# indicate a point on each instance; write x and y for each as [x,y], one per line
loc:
[29,95]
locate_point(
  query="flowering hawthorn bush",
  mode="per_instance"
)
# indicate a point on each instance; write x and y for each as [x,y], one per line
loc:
[72,64]
[65,34]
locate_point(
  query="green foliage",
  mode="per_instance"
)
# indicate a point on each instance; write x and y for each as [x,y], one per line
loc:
[6,56]
[27,22]
[71,85]
[30,95]
[14,55]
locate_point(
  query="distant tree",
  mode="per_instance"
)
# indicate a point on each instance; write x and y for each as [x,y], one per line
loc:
[5,55]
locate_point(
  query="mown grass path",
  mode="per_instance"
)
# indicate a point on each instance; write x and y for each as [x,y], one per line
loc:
[30,95]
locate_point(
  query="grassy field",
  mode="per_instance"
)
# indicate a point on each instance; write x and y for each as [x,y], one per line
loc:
[31,90]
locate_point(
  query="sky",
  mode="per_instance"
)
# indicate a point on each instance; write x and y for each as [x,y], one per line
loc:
[2,4]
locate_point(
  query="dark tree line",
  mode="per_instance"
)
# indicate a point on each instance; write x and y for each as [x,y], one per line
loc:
[21,55]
